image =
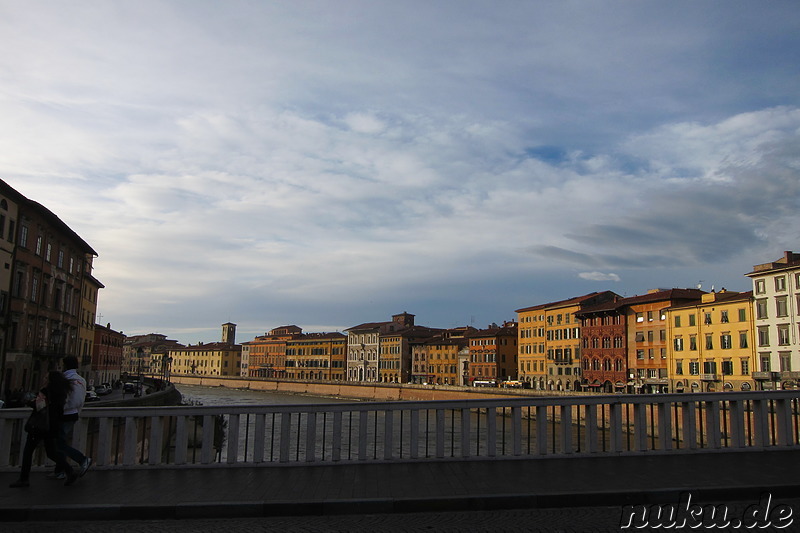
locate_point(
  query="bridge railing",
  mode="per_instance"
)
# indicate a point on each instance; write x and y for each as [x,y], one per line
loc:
[510,427]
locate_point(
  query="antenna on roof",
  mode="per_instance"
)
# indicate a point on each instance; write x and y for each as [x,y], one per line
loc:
[700,284]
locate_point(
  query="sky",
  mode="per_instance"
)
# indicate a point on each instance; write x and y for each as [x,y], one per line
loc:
[327,164]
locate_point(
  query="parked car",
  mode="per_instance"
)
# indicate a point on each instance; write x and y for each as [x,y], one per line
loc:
[91,396]
[129,388]
[103,389]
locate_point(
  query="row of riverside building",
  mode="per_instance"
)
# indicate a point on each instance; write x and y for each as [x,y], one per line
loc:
[667,340]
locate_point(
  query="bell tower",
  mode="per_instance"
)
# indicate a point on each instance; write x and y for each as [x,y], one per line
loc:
[229,333]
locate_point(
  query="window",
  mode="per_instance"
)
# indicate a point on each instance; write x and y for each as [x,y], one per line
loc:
[723,317]
[639,354]
[639,317]
[692,320]
[650,336]
[742,315]
[694,368]
[764,362]
[727,368]
[745,364]
[678,344]
[639,336]
[679,368]
[39,243]
[786,361]
[23,236]
[707,319]
[618,342]
[709,341]
[61,259]
[763,336]
[780,306]
[693,342]
[783,335]
[742,339]
[49,252]
[761,309]
[725,341]
[677,321]
[649,316]
[780,283]
[709,367]
[760,286]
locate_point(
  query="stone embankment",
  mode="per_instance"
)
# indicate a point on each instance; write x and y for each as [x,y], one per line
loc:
[363,391]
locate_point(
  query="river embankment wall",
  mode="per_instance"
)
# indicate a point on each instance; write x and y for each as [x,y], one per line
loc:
[362,391]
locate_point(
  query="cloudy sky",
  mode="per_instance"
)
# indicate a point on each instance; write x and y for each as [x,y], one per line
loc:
[331,163]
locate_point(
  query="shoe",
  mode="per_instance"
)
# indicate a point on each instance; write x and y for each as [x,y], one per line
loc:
[85,466]
[19,483]
[57,475]
[71,478]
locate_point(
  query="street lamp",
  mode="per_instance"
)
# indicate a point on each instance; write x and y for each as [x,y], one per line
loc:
[140,357]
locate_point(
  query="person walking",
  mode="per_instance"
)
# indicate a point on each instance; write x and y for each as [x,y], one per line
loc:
[72,409]
[53,395]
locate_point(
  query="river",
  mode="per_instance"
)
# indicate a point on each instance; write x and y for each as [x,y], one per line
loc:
[199,395]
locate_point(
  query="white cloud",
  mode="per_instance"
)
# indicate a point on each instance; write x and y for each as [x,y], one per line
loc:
[599,276]
[254,161]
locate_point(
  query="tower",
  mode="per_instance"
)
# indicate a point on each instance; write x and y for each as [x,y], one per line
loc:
[229,333]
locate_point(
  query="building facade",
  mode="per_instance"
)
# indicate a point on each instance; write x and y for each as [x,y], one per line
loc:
[45,305]
[712,343]
[364,346]
[604,361]
[267,353]
[648,343]
[312,356]
[106,364]
[776,293]
[493,353]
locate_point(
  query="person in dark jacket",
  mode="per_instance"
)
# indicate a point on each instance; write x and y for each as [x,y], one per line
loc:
[55,393]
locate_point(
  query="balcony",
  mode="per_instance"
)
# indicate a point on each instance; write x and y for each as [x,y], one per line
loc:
[709,377]
[762,376]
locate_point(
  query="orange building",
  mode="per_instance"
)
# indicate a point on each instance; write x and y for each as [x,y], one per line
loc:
[311,355]
[648,344]
[267,353]
[493,353]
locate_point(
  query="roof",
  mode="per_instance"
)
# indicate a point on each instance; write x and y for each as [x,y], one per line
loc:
[212,346]
[576,300]
[720,297]
[789,260]
[665,295]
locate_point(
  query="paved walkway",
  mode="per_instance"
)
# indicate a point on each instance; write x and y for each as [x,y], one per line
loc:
[375,489]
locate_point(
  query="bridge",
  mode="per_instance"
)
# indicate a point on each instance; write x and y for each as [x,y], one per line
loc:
[498,453]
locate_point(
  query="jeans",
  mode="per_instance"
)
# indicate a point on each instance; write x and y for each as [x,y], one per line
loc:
[63,436]
[31,442]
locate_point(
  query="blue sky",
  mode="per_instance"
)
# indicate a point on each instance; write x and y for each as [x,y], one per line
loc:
[331,163]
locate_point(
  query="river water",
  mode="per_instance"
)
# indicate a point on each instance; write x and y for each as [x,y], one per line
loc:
[198,395]
[358,435]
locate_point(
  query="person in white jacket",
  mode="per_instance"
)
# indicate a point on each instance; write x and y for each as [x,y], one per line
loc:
[72,410]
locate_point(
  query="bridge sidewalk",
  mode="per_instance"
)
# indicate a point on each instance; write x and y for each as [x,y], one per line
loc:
[246,491]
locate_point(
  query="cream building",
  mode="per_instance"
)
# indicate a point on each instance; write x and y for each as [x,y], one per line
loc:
[776,293]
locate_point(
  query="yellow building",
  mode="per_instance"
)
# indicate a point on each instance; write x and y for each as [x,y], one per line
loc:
[531,358]
[712,343]
[209,359]
[89,292]
[314,356]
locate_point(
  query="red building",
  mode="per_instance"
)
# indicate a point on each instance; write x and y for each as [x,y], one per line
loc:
[107,356]
[604,347]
